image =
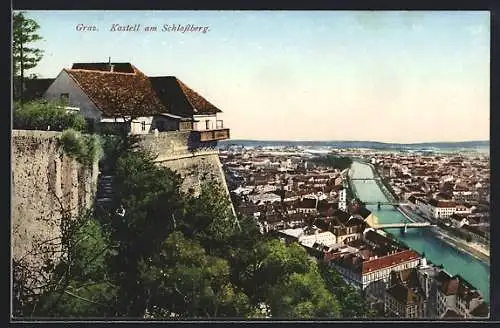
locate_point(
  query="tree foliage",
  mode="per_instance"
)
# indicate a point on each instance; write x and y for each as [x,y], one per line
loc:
[159,252]
[332,161]
[43,115]
[85,148]
[24,32]
[353,303]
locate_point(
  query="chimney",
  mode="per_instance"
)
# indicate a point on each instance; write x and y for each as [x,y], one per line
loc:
[111,67]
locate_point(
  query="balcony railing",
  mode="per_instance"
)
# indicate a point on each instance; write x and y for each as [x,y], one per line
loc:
[185,126]
[213,135]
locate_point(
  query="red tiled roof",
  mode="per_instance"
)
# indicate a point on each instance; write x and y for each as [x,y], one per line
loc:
[389,260]
[117,93]
[441,203]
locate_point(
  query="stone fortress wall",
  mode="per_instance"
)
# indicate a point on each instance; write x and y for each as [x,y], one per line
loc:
[43,178]
[179,152]
[44,183]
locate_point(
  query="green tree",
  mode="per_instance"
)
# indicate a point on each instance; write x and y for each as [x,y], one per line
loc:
[190,283]
[149,200]
[24,32]
[209,218]
[332,161]
[79,285]
[303,296]
[352,301]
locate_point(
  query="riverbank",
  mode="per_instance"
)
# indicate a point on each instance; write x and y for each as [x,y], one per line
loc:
[475,252]
[380,183]
[438,249]
[472,249]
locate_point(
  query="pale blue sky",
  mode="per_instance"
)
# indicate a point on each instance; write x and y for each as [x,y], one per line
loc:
[304,75]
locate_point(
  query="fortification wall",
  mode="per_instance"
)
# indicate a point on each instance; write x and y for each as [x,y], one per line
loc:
[193,161]
[44,181]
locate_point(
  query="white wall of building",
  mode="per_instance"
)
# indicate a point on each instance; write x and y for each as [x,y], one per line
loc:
[442,212]
[141,125]
[343,200]
[77,98]
[200,122]
[326,238]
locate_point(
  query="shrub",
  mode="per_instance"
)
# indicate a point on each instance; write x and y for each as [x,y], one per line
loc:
[84,148]
[40,115]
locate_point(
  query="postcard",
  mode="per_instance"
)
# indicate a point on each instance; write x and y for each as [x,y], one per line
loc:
[244,165]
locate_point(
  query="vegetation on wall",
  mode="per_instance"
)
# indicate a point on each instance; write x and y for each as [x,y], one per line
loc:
[86,149]
[44,115]
[162,253]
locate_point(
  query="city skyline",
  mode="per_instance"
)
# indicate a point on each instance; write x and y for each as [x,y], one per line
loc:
[308,76]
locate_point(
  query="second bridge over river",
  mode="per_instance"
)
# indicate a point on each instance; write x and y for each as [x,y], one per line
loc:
[403,226]
[385,203]
[364,179]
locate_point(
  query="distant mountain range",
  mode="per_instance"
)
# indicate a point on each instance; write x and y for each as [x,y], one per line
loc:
[360,144]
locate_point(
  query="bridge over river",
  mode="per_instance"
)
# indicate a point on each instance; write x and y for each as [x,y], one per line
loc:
[364,179]
[403,226]
[385,203]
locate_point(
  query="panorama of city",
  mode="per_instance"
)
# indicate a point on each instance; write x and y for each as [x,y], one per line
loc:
[158,185]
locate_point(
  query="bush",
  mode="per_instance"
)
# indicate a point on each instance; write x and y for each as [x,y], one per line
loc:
[86,149]
[42,115]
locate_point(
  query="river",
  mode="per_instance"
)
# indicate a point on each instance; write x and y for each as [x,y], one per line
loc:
[422,240]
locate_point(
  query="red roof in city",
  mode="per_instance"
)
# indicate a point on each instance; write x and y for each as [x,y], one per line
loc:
[441,203]
[389,260]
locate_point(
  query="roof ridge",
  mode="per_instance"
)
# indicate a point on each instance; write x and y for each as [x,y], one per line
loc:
[102,72]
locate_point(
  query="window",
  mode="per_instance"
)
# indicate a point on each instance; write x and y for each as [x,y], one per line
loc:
[143,126]
[209,124]
[90,125]
[64,97]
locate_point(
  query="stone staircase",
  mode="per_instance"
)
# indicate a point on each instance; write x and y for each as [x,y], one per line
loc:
[104,195]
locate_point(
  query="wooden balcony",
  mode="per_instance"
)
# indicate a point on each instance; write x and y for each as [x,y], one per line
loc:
[212,135]
[185,125]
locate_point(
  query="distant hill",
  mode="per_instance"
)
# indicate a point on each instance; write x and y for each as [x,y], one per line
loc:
[360,144]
